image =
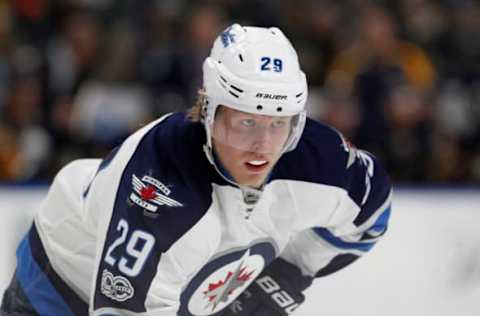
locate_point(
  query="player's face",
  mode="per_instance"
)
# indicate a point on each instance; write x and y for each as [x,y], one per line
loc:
[249,145]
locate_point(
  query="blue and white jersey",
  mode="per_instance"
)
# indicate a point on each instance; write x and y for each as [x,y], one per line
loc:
[153,229]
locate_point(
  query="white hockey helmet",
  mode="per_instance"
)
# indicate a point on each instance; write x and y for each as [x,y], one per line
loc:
[255,70]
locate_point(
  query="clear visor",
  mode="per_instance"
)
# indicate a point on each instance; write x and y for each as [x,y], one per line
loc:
[254,133]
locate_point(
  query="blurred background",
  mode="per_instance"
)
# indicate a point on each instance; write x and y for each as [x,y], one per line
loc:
[399,78]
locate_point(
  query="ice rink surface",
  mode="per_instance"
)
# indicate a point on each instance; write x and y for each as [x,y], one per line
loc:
[427,265]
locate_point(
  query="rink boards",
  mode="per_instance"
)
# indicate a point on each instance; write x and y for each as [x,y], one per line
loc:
[427,265]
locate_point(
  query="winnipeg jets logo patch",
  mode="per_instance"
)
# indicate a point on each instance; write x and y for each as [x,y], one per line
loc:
[149,193]
[219,292]
[224,278]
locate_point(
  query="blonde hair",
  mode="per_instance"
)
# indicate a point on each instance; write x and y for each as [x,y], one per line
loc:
[196,112]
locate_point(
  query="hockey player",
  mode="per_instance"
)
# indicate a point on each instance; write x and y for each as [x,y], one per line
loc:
[232,209]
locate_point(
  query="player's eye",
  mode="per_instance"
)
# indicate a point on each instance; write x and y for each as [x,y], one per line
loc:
[278,124]
[248,122]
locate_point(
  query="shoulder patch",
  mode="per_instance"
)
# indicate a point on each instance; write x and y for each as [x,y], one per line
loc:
[117,288]
[149,193]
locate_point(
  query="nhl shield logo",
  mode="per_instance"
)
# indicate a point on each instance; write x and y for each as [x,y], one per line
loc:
[149,193]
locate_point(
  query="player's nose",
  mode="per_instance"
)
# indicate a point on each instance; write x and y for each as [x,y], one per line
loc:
[262,141]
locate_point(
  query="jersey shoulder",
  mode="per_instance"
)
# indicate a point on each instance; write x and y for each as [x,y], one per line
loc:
[166,179]
[322,156]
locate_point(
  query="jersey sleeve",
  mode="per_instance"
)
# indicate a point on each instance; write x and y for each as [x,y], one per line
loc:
[358,222]
[143,208]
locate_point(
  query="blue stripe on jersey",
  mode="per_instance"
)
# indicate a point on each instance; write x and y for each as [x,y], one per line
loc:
[341,244]
[382,221]
[36,285]
[378,228]
[380,188]
[47,293]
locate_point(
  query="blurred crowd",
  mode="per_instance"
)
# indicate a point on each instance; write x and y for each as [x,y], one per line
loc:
[398,78]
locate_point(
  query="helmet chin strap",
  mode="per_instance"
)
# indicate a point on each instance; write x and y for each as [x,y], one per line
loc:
[212,158]
[250,195]
[207,119]
[223,172]
[208,150]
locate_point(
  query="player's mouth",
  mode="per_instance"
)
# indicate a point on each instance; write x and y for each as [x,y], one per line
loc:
[257,165]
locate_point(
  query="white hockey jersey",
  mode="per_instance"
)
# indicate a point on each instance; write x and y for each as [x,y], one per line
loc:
[154,229]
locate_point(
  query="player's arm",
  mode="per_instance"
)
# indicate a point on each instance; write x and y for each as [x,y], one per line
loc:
[361,221]
[145,216]
[320,251]
[128,250]
[374,198]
